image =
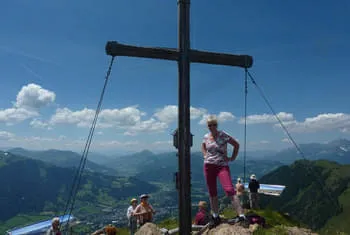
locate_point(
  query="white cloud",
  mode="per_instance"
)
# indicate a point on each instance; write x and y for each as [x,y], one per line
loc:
[258,143]
[345,130]
[267,118]
[225,116]
[321,122]
[62,137]
[15,115]
[128,118]
[169,113]
[203,121]
[163,142]
[29,100]
[286,140]
[36,123]
[4,135]
[115,143]
[221,117]
[34,97]
[39,139]
[197,112]
[82,118]
[151,125]
[122,118]
[59,142]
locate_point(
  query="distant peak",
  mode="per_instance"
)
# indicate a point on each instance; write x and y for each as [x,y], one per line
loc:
[17,149]
[340,141]
[146,151]
[57,151]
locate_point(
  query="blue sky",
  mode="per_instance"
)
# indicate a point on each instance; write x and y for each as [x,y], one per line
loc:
[53,64]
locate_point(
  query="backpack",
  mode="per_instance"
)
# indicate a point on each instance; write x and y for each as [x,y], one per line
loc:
[256,219]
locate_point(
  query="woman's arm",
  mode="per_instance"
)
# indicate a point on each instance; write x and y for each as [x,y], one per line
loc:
[129,212]
[204,150]
[100,231]
[235,145]
[153,211]
[140,213]
[137,211]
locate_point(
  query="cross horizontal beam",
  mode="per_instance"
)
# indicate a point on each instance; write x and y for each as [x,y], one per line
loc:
[114,48]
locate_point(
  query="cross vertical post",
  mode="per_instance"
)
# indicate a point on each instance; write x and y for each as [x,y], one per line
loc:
[184,134]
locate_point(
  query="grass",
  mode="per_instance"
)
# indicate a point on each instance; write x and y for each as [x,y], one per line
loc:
[340,222]
[280,230]
[275,221]
[86,230]
[274,218]
[168,224]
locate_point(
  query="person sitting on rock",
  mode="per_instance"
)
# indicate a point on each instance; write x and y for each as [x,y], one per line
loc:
[144,211]
[108,230]
[55,227]
[202,216]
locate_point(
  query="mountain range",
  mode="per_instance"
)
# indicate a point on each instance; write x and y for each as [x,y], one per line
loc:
[161,167]
[336,150]
[39,181]
[317,193]
[31,186]
[65,158]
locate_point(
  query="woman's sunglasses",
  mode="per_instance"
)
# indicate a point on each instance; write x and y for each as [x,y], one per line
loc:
[210,125]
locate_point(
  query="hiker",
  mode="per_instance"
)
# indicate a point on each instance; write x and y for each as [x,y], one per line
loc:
[214,149]
[55,227]
[132,220]
[240,191]
[202,216]
[144,211]
[253,192]
[108,230]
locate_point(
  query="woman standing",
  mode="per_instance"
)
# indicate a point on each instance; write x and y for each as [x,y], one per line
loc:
[214,149]
[240,191]
[144,211]
[132,220]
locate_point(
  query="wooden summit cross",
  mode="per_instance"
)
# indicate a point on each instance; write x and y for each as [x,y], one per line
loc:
[184,55]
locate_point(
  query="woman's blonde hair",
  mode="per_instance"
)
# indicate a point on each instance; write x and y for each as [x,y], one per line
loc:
[212,119]
[54,220]
[202,204]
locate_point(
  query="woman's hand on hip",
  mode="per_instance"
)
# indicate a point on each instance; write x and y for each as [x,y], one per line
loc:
[230,159]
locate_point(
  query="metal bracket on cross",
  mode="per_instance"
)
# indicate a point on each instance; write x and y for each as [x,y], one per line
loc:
[176,139]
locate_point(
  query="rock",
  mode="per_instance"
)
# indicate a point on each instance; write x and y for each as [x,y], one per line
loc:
[149,229]
[253,227]
[227,229]
[299,231]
